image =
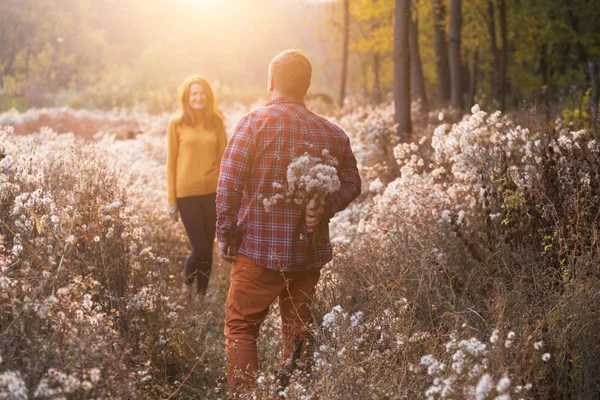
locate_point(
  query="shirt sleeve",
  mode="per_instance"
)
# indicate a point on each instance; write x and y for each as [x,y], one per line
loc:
[233,178]
[172,154]
[350,182]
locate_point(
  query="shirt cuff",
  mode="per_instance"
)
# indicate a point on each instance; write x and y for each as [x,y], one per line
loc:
[226,235]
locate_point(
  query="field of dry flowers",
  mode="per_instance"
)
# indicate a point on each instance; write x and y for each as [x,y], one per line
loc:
[467,269]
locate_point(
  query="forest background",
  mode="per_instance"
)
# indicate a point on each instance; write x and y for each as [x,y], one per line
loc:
[105,54]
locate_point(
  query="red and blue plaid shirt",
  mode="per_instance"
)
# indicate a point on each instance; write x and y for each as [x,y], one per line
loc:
[263,144]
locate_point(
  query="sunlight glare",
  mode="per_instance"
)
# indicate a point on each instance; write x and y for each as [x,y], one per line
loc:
[201,2]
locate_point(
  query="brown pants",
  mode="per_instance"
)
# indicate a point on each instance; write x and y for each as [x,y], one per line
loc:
[253,289]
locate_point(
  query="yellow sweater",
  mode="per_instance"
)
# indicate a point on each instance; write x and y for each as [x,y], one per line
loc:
[193,160]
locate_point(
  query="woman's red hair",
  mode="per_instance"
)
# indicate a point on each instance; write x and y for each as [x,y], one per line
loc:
[209,116]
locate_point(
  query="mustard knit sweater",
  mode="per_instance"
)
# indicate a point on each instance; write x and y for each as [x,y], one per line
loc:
[193,160]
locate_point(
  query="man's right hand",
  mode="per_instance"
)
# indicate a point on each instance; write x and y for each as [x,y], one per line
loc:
[227,252]
[313,218]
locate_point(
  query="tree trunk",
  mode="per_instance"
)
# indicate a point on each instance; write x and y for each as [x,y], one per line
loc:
[592,67]
[27,63]
[3,47]
[455,64]
[546,82]
[441,52]
[494,49]
[465,79]
[345,46]
[417,80]
[473,80]
[402,69]
[502,93]
[593,71]
[376,74]
[364,69]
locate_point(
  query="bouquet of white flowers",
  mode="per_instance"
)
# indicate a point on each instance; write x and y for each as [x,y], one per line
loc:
[308,181]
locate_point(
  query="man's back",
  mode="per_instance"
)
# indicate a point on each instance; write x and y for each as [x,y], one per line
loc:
[253,170]
[255,163]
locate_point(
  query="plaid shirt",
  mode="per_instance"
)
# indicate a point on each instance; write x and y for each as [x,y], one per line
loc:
[264,143]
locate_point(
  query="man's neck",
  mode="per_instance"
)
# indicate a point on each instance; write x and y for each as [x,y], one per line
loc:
[274,94]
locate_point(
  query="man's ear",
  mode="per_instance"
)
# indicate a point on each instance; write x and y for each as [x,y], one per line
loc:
[271,83]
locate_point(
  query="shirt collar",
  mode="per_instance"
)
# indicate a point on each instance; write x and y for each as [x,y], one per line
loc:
[287,100]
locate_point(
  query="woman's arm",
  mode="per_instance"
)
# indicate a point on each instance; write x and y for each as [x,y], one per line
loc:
[172,153]
[221,144]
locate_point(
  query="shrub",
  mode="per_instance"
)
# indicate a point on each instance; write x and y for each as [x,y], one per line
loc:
[468,268]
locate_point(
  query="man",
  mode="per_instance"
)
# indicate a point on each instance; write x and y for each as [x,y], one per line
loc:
[273,252]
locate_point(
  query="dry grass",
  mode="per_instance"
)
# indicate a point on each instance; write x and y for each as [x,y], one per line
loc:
[429,269]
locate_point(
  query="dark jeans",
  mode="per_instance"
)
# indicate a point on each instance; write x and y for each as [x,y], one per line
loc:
[199,217]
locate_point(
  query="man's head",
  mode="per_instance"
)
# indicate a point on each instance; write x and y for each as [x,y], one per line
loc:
[290,73]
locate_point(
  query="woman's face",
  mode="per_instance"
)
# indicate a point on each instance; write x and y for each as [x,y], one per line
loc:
[197,97]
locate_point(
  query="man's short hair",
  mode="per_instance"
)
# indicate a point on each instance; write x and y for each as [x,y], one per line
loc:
[291,71]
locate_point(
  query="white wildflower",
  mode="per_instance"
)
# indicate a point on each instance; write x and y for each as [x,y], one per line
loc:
[494,338]
[356,318]
[474,347]
[503,384]
[12,386]
[484,387]
[332,318]
[518,389]
[308,180]
[376,187]
[434,367]
[17,249]
[110,207]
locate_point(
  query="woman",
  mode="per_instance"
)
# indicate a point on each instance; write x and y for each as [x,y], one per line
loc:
[196,143]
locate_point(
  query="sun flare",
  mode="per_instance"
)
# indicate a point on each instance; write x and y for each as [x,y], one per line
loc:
[201,2]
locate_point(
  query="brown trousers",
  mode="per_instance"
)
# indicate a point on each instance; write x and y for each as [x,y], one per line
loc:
[253,289]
